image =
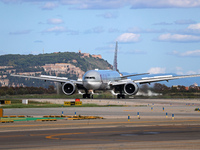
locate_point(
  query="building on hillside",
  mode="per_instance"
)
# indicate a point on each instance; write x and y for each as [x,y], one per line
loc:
[195,86]
[179,87]
[4,82]
[5,67]
[97,56]
[63,68]
[88,55]
[30,73]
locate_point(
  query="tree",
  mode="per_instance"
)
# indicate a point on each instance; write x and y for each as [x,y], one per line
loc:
[144,88]
[182,88]
[161,88]
[51,89]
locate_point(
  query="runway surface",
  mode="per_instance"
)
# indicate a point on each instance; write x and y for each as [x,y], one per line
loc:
[151,130]
[145,137]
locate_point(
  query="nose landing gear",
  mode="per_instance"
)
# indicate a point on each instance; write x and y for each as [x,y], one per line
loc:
[87,96]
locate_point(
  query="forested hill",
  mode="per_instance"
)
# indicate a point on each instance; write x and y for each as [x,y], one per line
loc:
[66,64]
[23,62]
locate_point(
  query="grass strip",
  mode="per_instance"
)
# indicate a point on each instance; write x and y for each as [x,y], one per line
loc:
[48,105]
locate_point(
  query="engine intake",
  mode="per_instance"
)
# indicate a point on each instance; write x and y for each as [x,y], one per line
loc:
[68,88]
[131,88]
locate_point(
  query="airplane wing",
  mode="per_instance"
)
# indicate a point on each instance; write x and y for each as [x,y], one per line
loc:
[119,82]
[123,77]
[163,78]
[126,76]
[48,78]
[151,79]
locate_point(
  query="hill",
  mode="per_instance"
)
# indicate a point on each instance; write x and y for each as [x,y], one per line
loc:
[68,64]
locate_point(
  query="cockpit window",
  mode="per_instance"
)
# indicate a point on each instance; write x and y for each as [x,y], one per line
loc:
[89,77]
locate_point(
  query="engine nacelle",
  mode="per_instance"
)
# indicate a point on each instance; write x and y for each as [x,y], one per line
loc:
[131,88]
[68,88]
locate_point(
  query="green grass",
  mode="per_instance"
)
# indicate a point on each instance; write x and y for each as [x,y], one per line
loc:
[34,104]
[31,106]
[55,96]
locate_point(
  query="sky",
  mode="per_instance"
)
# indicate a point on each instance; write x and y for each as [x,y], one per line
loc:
[155,36]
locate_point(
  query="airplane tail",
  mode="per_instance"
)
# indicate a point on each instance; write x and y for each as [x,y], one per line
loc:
[115,58]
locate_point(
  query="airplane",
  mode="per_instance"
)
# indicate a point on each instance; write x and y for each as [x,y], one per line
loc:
[111,80]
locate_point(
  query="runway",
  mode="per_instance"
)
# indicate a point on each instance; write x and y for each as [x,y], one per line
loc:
[151,130]
[144,137]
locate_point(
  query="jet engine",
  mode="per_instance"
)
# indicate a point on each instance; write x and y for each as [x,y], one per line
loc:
[68,88]
[131,88]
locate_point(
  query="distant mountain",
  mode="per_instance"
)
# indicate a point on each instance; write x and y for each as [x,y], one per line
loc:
[68,64]
[184,81]
[25,63]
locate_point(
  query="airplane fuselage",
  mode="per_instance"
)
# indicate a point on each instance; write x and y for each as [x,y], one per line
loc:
[99,79]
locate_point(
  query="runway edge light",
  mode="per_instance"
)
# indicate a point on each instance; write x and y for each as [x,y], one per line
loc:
[138,115]
[172,116]
[151,108]
[62,114]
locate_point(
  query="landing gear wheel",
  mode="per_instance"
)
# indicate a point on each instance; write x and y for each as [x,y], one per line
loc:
[118,96]
[121,96]
[87,95]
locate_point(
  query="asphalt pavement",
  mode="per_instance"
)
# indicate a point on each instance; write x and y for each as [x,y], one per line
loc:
[140,124]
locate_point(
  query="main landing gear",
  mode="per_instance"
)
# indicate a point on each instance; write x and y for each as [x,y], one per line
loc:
[121,96]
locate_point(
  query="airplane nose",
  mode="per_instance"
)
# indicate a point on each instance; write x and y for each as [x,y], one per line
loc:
[87,85]
[91,85]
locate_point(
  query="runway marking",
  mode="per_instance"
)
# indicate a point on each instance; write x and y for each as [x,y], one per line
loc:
[106,132]
[161,130]
[38,134]
[79,139]
[61,134]
[128,110]
[9,136]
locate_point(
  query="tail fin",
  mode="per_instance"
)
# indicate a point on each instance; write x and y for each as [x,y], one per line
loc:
[115,58]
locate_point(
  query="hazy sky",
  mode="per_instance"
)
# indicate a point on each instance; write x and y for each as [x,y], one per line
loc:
[156,36]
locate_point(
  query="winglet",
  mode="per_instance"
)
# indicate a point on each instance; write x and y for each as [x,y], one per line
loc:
[115,58]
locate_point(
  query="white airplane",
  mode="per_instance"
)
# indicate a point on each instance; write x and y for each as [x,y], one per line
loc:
[111,80]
